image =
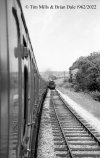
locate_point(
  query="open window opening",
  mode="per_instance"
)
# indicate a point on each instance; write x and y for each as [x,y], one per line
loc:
[25,97]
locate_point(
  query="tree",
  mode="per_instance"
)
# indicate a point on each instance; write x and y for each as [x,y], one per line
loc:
[88,76]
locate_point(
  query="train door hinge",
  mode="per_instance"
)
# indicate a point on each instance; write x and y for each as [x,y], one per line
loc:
[25,151]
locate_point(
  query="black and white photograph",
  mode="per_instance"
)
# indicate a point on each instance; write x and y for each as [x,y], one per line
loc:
[49,78]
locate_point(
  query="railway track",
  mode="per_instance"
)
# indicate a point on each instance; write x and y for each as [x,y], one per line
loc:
[73,137]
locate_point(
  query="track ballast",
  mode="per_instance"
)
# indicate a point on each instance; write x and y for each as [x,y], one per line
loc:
[73,137]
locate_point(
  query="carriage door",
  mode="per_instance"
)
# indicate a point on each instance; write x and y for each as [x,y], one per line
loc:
[19,54]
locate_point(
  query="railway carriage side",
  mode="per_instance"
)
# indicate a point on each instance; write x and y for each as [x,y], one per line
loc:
[20,82]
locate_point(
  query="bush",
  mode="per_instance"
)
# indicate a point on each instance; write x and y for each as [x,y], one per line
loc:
[95,95]
[76,88]
[65,80]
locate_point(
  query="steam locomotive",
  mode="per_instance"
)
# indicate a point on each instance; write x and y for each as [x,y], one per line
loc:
[21,86]
[51,85]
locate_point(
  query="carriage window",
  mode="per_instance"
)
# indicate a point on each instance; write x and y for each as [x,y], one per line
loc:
[17,22]
[25,96]
[24,42]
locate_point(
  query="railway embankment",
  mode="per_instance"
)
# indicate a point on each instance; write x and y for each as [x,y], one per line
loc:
[84,105]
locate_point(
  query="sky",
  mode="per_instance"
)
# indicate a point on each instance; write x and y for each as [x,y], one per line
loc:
[61,36]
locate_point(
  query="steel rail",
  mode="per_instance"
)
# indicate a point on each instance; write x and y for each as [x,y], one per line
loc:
[72,111]
[64,137]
